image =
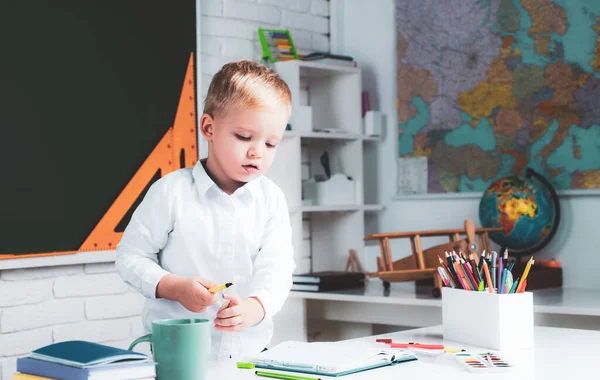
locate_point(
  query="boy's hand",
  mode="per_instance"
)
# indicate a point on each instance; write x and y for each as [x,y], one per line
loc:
[238,314]
[191,292]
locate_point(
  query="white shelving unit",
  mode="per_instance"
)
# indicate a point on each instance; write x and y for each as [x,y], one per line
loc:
[333,93]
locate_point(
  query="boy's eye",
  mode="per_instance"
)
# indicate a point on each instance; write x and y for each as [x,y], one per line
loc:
[243,138]
[269,145]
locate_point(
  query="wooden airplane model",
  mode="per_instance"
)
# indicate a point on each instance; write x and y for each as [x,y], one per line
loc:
[422,264]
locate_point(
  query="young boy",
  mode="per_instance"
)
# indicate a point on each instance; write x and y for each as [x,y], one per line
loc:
[221,221]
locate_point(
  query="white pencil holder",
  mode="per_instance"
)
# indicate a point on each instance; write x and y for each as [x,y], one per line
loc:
[337,190]
[489,320]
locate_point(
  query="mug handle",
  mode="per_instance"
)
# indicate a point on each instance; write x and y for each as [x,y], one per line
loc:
[145,338]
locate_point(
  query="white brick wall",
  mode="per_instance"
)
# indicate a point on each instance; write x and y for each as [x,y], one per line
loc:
[229,29]
[39,306]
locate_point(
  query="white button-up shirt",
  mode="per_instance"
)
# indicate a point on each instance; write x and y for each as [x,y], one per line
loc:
[187,225]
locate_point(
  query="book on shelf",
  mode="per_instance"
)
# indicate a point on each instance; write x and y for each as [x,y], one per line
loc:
[82,360]
[327,281]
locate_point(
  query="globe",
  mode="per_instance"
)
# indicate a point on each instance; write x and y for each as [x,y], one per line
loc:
[526,209]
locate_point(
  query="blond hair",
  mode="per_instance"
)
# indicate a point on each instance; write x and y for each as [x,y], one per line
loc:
[246,84]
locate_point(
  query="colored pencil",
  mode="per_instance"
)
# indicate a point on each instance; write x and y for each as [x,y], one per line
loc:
[514,286]
[470,275]
[487,277]
[525,273]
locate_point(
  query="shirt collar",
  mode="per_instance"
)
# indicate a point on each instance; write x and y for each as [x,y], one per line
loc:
[204,182]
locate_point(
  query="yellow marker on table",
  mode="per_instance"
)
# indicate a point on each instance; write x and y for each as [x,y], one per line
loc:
[220,287]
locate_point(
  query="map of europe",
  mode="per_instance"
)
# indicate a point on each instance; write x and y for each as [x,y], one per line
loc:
[487,88]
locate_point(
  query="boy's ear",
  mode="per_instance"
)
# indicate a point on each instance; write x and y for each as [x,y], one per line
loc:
[207,126]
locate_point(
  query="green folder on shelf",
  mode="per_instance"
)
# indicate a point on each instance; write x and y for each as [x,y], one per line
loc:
[330,358]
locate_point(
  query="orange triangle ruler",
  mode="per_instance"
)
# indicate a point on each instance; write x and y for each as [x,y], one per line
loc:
[178,146]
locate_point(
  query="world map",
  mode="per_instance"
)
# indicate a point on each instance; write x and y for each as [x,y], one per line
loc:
[487,88]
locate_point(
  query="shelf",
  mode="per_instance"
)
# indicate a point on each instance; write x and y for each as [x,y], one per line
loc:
[340,208]
[330,136]
[316,69]
[373,207]
[562,301]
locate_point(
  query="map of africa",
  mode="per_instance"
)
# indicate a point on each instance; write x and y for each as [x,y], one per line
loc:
[489,87]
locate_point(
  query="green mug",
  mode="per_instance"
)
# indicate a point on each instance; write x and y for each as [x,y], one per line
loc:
[180,347]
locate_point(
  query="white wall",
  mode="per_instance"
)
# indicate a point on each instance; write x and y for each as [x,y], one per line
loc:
[39,306]
[230,29]
[373,44]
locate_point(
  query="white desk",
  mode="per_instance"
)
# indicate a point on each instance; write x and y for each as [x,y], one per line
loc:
[402,305]
[558,354]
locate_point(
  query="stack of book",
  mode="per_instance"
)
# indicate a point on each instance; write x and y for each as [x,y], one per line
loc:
[82,360]
[327,281]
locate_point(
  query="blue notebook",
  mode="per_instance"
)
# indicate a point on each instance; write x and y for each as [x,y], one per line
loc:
[83,354]
[330,358]
[114,371]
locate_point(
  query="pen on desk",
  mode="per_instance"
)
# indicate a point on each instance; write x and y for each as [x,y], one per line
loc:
[417,345]
[285,376]
[215,289]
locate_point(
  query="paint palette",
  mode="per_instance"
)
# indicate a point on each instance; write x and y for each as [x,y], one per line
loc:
[485,362]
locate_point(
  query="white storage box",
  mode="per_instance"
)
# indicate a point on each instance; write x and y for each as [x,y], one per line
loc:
[337,190]
[302,119]
[489,320]
[373,123]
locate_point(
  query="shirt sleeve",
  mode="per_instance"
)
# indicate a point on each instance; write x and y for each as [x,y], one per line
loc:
[143,238]
[274,264]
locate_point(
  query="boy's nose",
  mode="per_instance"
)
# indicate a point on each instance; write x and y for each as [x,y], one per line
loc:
[254,152]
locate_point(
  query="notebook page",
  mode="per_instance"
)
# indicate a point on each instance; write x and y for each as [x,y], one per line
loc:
[324,356]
